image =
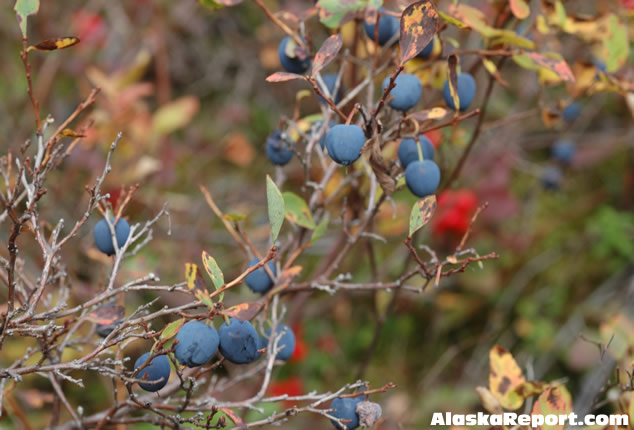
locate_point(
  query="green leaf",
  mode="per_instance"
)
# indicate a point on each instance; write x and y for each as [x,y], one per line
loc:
[296,210]
[333,12]
[512,38]
[275,203]
[453,21]
[320,230]
[616,47]
[422,212]
[172,329]
[210,4]
[214,272]
[235,217]
[24,8]
[203,297]
[174,115]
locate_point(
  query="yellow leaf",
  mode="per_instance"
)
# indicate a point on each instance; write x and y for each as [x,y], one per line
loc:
[174,115]
[505,375]
[54,44]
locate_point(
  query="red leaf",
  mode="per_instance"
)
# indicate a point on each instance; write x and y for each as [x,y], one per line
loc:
[560,67]
[418,26]
[283,77]
[107,314]
[327,52]
[243,311]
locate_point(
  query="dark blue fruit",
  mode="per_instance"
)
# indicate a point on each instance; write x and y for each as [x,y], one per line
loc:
[259,281]
[346,409]
[466,91]
[427,50]
[422,177]
[344,143]
[277,149]
[197,343]
[239,342]
[103,238]
[551,178]
[286,345]
[330,80]
[571,112]
[388,27]
[157,369]
[408,150]
[563,151]
[103,330]
[406,94]
[291,64]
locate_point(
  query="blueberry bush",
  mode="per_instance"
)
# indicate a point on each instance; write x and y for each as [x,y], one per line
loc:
[252,213]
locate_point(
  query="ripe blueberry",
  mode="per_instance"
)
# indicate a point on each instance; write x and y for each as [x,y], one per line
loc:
[466,91]
[103,238]
[239,342]
[422,177]
[571,112]
[551,178]
[408,150]
[197,343]
[259,281]
[406,94]
[291,64]
[330,81]
[427,50]
[157,369]
[346,409]
[344,143]
[286,344]
[277,149]
[388,27]
[563,151]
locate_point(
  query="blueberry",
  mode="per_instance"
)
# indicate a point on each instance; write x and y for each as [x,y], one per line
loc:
[239,342]
[346,409]
[427,50]
[422,177]
[563,151]
[259,281]
[551,178]
[157,369]
[291,64]
[197,343]
[277,149]
[388,27]
[571,112]
[286,345]
[466,91]
[408,150]
[103,238]
[406,94]
[344,143]
[103,330]
[330,80]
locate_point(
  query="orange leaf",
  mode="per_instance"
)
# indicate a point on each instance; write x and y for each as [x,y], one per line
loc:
[106,315]
[559,66]
[283,77]
[520,9]
[556,400]
[243,311]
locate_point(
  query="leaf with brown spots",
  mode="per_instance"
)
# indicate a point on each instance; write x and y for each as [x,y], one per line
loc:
[427,114]
[555,400]
[67,132]
[327,52]
[195,281]
[505,375]
[418,27]
[452,78]
[557,65]
[283,77]
[106,315]
[244,311]
[54,44]
[422,211]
